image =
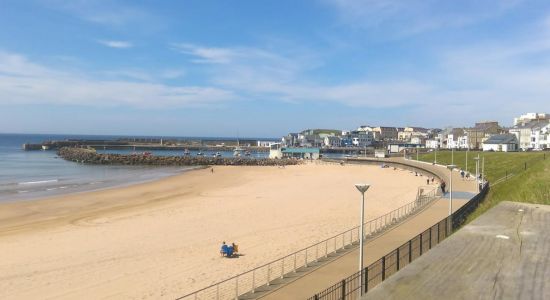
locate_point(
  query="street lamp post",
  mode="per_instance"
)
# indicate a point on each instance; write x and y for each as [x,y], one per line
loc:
[362,188]
[452,155]
[467,150]
[482,169]
[477,168]
[451,168]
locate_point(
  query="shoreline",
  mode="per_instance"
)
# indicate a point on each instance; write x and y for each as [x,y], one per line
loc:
[59,198]
[76,188]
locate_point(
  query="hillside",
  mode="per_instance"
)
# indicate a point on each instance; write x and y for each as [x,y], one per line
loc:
[516,176]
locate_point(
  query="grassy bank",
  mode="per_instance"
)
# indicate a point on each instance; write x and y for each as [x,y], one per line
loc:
[529,175]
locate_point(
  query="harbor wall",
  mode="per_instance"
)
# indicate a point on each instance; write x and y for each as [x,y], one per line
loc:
[90,156]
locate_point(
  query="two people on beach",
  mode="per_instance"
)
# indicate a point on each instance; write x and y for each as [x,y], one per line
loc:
[227,250]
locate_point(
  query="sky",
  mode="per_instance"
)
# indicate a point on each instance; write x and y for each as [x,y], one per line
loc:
[265,68]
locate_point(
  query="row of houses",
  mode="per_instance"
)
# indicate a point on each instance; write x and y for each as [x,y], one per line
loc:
[530,132]
[328,138]
[364,136]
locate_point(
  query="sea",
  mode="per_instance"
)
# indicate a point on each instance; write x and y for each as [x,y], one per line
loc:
[26,175]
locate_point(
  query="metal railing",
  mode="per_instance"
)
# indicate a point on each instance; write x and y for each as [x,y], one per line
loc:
[380,270]
[262,276]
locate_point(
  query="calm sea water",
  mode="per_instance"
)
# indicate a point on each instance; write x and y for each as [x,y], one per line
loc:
[34,174]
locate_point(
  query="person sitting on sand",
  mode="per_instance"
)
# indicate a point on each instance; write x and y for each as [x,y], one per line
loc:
[229,252]
[224,250]
[235,247]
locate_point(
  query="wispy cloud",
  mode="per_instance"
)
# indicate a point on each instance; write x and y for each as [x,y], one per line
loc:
[116,44]
[209,55]
[403,17]
[107,13]
[25,82]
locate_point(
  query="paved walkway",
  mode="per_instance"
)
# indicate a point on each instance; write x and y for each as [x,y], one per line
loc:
[503,254]
[341,267]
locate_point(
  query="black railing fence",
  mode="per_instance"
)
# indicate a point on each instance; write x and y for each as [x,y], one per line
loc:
[380,270]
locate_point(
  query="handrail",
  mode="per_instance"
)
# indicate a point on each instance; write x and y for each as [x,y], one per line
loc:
[350,287]
[380,223]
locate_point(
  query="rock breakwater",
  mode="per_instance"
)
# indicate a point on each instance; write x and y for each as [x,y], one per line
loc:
[90,156]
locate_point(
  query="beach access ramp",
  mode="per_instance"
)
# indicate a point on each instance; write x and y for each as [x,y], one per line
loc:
[503,254]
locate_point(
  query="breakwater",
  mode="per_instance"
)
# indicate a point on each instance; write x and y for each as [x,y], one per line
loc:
[148,144]
[90,156]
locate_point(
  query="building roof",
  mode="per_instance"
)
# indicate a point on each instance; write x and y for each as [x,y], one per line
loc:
[532,124]
[497,139]
[420,129]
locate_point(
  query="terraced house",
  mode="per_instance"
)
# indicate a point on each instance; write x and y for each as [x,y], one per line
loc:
[480,132]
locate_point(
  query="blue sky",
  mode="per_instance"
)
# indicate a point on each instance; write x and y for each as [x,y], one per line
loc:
[265,68]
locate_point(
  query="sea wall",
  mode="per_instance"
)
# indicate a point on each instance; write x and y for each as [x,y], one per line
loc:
[90,156]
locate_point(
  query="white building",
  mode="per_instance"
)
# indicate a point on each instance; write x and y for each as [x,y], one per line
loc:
[432,144]
[501,143]
[540,136]
[267,143]
[531,134]
[457,139]
[419,140]
[277,152]
[332,141]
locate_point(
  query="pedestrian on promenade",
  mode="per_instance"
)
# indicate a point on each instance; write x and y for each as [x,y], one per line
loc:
[428,181]
[462,174]
[443,185]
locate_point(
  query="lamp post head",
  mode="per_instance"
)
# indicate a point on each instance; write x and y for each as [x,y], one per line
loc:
[451,167]
[362,187]
[476,158]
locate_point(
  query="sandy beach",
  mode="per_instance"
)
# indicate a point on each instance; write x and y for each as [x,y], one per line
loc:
[161,239]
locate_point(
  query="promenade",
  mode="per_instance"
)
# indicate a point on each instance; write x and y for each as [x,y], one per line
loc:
[341,267]
[503,254]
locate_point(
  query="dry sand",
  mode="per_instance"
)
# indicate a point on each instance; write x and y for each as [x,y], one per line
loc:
[161,239]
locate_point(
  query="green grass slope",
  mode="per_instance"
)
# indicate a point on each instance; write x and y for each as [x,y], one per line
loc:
[529,181]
